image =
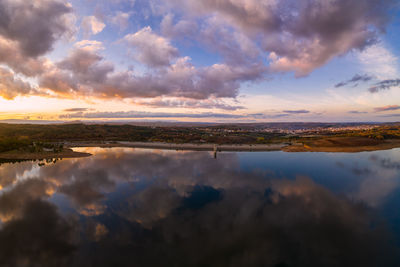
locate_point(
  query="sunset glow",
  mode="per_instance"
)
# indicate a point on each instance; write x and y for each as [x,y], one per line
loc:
[206,61]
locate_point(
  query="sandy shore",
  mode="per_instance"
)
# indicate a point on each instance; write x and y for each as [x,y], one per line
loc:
[18,155]
[188,146]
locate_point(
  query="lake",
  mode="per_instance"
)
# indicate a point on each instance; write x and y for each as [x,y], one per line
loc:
[138,207]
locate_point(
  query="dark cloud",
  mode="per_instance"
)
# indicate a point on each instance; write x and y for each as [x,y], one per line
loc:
[387,108]
[384,85]
[35,27]
[357,78]
[301,111]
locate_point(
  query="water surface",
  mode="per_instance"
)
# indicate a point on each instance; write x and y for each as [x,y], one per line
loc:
[137,207]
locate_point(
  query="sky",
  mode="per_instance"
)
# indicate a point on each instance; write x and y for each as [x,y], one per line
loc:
[200,60]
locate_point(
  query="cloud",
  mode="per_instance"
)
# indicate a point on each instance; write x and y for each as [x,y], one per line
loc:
[35,26]
[181,29]
[387,108]
[13,202]
[40,237]
[269,116]
[85,72]
[235,47]
[389,115]
[89,45]
[301,111]
[163,200]
[189,103]
[151,49]
[28,30]
[143,114]
[96,231]
[357,112]
[78,72]
[92,25]
[12,86]
[88,192]
[356,78]
[303,40]
[386,163]
[121,19]
[253,39]
[384,85]
[85,62]
[267,226]
[378,61]
[183,202]
[14,58]
[76,109]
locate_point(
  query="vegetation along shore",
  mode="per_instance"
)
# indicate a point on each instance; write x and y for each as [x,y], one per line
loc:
[26,141]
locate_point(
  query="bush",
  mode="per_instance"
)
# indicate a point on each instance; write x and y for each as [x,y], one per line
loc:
[12,143]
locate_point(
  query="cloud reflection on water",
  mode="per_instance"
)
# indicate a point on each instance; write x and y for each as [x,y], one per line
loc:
[162,208]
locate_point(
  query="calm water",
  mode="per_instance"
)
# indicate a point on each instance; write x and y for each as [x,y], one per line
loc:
[136,207]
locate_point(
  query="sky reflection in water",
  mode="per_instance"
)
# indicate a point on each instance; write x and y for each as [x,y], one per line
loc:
[134,207]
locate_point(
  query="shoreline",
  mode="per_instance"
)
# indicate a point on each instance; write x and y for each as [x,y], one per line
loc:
[21,155]
[284,147]
[289,148]
[185,146]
